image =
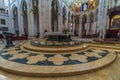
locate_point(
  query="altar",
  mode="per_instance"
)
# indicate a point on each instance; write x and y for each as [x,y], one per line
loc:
[58,36]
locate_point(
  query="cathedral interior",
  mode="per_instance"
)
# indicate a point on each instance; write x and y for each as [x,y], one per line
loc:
[59,39]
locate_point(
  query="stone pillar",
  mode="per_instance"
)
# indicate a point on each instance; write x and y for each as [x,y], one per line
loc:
[49,17]
[79,26]
[66,21]
[102,18]
[40,18]
[20,20]
[80,29]
[74,25]
[19,23]
[110,4]
[12,25]
[44,16]
[87,27]
[95,26]
[69,23]
[100,23]
[108,22]
[60,17]
[60,21]
[30,21]
[113,3]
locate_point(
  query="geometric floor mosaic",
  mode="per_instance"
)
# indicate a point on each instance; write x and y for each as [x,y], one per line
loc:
[16,54]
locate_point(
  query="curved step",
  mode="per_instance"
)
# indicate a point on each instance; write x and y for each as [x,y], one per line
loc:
[63,49]
[32,70]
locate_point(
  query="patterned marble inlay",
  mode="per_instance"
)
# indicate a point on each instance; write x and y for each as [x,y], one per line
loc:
[81,58]
[35,59]
[58,59]
[16,54]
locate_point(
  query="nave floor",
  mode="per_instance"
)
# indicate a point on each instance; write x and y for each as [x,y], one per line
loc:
[110,72]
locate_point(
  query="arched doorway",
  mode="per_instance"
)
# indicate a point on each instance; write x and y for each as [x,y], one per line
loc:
[114,22]
[76,25]
[91,23]
[25,18]
[36,17]
[15,17]
[54,14]
[63,17]
[84,25]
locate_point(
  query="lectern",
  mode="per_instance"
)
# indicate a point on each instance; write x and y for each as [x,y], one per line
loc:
[9,39]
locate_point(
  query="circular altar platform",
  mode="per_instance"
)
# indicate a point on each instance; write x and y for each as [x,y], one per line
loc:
[54,49]
[54,61]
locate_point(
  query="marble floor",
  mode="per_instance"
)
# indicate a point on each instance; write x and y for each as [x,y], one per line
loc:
[110,72]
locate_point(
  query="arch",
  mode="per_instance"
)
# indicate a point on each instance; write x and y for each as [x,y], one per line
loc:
[63,17]
[25,17]
[84,24]
[91,22]
[21,5]
[15,20]
[54,14]
[13,7]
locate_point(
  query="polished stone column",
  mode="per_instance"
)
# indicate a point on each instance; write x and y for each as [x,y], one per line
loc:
[44,16]
[79,27]
[108,22]
[60,17]
[66,21]
[20,21]
[87,27]
[113,3]
[30,21]
[102,18]
[40,18]
[95,27]
[74,25]
[12,24]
